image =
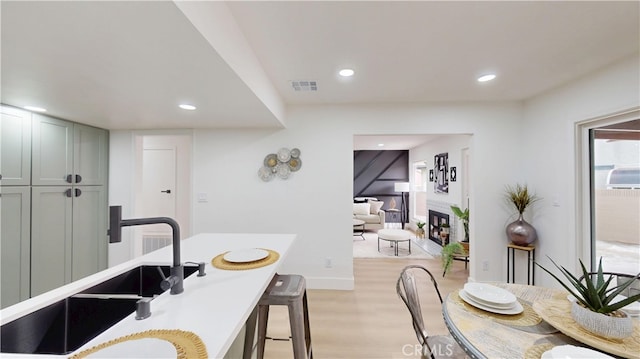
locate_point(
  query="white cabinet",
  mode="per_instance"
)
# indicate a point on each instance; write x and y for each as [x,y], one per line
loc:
[15,147]
[15,250]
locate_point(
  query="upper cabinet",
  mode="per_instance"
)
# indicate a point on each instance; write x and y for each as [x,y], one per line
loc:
[65,153]
[15,147]
[90,155]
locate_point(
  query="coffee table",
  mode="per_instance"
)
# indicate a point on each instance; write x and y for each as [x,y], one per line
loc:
[358,228]
[393,236]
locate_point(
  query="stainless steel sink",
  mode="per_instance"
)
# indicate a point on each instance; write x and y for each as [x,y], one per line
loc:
[64,326]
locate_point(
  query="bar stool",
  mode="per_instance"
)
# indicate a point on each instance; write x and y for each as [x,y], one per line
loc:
[289,290]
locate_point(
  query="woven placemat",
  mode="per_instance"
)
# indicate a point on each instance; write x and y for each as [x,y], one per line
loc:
[536,351]
[219,262]
[528,317]
[188,345]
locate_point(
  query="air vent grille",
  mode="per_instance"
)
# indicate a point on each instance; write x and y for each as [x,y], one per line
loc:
[304,85]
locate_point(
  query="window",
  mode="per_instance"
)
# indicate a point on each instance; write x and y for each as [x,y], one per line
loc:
[615,173]
[420,178]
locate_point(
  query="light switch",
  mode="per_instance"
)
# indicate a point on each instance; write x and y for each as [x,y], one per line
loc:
[203,198]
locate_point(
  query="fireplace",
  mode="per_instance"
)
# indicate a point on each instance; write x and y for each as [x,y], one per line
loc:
[439,228]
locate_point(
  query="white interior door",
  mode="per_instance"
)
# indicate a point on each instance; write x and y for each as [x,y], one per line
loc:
[159,186]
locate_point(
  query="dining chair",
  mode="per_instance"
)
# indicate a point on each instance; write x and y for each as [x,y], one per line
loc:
[433,346]
[620,278]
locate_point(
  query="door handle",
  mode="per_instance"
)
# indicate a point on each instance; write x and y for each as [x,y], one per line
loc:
[69,179]
[78,192]
[167,191]
[78,178]
[68,192]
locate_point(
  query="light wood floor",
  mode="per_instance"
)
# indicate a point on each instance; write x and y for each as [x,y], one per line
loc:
[371,321]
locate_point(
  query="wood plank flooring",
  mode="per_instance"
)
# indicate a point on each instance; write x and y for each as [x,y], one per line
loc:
[371,321]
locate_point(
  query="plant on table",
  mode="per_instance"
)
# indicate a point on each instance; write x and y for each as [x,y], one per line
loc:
[597,296]
[520,232]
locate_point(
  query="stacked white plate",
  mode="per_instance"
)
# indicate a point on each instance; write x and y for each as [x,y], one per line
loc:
[490,298]
[572,352]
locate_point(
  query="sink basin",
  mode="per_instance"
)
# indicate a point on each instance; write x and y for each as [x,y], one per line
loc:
[64,326]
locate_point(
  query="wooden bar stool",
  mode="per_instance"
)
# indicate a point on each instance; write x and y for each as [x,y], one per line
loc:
[289,290]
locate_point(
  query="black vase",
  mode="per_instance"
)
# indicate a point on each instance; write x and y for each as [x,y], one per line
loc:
[521,233]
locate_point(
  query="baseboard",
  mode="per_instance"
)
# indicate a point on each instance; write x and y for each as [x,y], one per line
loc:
[330,283]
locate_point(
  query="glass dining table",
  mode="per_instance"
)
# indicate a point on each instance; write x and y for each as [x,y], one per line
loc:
[484,334]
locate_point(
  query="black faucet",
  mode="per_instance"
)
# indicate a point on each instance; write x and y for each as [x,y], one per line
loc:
[176,275]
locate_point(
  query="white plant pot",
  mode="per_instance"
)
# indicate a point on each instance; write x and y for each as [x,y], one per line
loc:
[600,324]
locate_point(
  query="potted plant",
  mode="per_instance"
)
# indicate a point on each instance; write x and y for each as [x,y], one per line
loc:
[464,217]
[593,309]
[520,232]
[420,230]
[448,252]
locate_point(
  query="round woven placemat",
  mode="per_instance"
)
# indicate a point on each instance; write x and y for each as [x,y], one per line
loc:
[528,316]
[219,262]
[188,345]
[536,351]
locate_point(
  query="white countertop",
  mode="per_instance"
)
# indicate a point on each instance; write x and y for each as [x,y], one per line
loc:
[215,307]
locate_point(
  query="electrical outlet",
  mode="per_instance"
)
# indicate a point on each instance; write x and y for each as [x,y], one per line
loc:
[328,262]
[485,265]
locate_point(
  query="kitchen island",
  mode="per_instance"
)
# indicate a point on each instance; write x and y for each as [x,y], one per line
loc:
[215,307]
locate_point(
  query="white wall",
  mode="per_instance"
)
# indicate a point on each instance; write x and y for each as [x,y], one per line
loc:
[509,144]
[316,202]
[549,154]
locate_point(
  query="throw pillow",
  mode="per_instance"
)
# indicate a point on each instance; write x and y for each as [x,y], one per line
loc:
[361,208]
[375,206]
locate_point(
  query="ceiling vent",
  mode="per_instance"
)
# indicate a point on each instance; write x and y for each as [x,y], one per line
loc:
[304,86]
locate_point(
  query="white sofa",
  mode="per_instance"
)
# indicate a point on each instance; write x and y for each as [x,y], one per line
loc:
[371,213]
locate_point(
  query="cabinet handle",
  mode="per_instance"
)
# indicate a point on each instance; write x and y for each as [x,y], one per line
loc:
[167,191]
[68,192]
[78,178]
[78,192]
[69,179]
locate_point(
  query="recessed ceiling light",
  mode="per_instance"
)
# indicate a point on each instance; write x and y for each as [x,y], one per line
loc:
[346,72]
[35,108]
[380,144]
[485,78]
[185,106]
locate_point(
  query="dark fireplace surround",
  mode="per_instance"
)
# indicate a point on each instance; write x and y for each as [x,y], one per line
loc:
[436,222]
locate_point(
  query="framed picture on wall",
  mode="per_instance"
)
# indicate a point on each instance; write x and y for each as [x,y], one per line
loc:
[440,171]
[453,174]
[430,175]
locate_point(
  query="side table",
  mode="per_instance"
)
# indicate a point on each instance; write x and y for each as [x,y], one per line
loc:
[531,252]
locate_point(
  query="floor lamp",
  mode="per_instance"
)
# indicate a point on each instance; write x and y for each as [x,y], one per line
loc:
[403,187]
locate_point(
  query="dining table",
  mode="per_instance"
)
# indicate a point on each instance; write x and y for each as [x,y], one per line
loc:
[544,323]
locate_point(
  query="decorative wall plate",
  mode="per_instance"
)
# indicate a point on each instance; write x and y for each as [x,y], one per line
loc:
[284,155]
[283,171]
[271,160]
[294,164]
[265,174]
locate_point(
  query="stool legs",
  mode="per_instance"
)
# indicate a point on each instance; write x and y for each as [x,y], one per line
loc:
[263,317]
[296,320]
[249,334]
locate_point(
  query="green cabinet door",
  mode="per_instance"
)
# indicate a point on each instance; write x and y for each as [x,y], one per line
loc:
[89,247]
[51,241]
[14,247]
[52,152]
[15,146]
[90,155]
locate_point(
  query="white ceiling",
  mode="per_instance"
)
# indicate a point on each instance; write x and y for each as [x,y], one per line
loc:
[126,65]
